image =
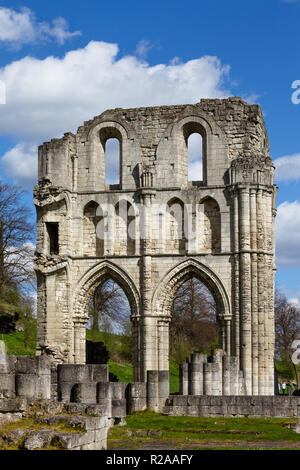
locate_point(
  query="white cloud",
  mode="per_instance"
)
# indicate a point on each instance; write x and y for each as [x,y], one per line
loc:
[20,163]
[45,98]
[287,167]
[288,234]
[21,27]
[195,157]
[195,171]
[143,48]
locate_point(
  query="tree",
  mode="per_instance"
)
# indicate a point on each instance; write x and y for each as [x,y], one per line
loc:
[287,329]
[27,319]
[16,235]
[193,326]
[109,314]
[108,304]
[16,254]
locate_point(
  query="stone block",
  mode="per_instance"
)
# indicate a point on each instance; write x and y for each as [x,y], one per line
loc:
[73,373]
[26,385]
[38,365]
[13,405]
[99,372]
[119,408]
[180,400]
[85,393]
[138,390]
[7,385]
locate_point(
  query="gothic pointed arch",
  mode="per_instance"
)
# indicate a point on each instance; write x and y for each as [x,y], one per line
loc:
[97,275]
[164,294]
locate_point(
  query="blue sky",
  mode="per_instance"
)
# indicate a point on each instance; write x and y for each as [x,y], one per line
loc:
[65,61]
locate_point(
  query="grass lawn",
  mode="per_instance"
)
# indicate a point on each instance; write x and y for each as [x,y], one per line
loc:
[184,432]
[15,345]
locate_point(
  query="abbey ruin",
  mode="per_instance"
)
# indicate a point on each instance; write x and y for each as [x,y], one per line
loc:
[156,229]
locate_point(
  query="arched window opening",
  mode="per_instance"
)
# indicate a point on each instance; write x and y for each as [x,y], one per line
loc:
[125,229]
[195,150]
[52,238]
[93,243]
[212,226]
[175,240]
[108,332]
[193,327]
[112,161]
[194,137]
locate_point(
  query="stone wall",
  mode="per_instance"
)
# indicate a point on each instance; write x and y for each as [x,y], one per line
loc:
[25,377]
[214,374]
[279,406]
[222,231]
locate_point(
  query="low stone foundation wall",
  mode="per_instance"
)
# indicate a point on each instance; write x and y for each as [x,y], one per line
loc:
[213,406]
[69,426]
[25,376]
[211,374]
[12,409]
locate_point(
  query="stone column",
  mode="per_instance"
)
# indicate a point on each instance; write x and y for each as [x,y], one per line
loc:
[270,327]
[196,373]
[163,344]
[207,378]
[74,172]
[227,327]
[245,283]
[184,379]
[149,338]
[236,273]
[261,292]
[79,341]
[253,238]
[136,339]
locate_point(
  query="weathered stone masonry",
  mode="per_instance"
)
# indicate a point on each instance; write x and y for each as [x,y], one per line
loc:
[231,218]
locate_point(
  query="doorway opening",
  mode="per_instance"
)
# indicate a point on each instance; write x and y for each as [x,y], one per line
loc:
[108,331]
[193,327]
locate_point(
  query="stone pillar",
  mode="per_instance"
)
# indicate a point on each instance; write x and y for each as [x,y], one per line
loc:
[152,390]
[236,273]
[149,338]
[163,387]
[137,354]
[79,341]
[226,375]
[149,346]
[196,373]
[261,293]
[207,378]
[245,283]
[227,327]
[217,387]
[254,298]
[74,172]
[270,327]
[184,379]
[137,397]
[104,397]
[163,343]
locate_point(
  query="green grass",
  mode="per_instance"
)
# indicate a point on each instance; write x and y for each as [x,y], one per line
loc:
[124,372]
[15,345]
[174,376]
[286,370]
[181,431]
